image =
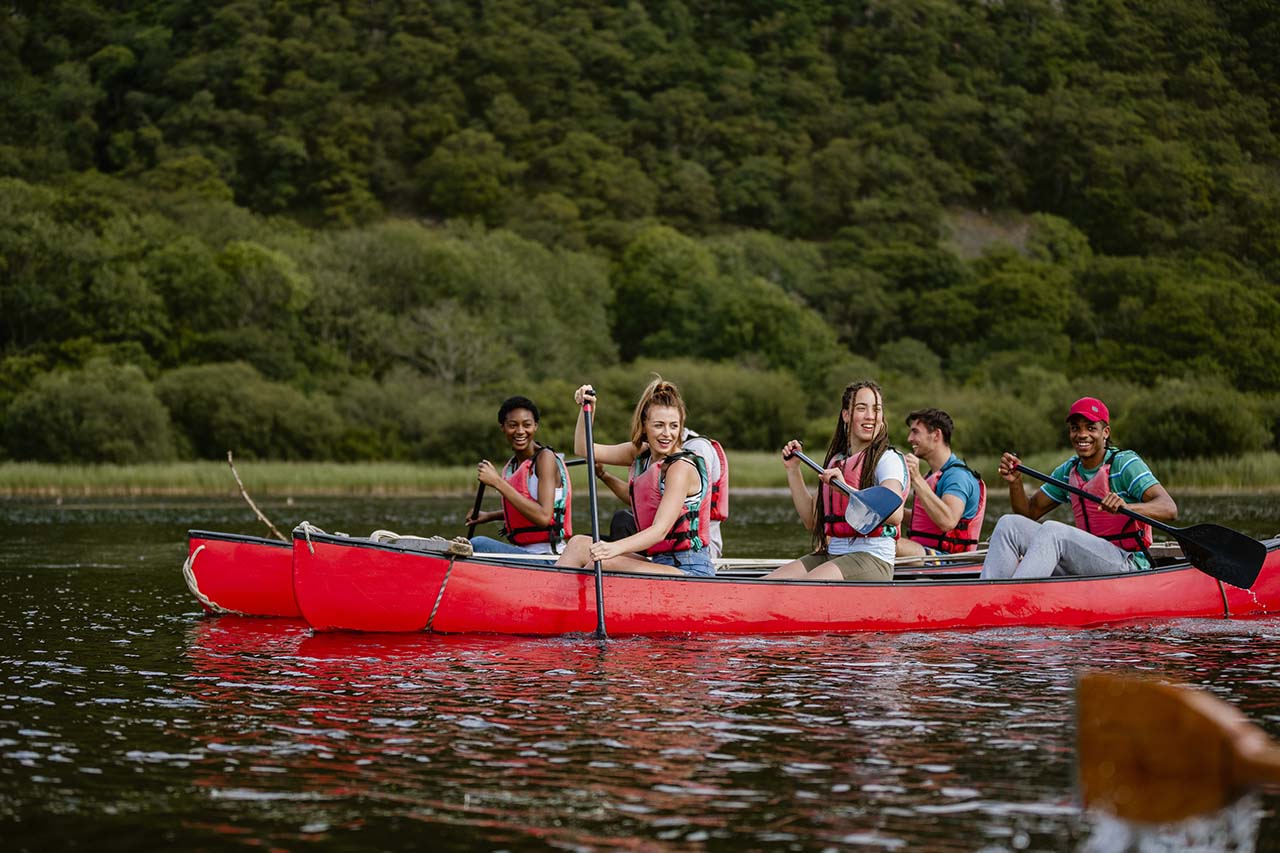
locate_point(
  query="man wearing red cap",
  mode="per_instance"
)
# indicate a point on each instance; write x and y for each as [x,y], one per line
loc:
[1102,541]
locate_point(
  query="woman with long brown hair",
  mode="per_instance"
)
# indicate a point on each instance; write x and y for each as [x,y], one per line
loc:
[861,457]
[669,489]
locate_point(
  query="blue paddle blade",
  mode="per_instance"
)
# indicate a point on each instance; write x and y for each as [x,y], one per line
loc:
[868,508]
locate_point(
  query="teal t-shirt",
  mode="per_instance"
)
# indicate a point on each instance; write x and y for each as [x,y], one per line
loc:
[1130,479]
[960,482]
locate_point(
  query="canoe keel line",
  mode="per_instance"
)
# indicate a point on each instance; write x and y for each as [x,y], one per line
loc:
[385,583]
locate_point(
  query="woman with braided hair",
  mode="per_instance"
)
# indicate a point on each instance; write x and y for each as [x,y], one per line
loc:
[861,457]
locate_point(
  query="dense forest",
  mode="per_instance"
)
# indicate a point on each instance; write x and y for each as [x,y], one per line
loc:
[339,230]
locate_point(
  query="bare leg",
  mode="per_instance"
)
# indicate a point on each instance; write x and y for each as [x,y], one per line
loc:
[826,572]
[577,553]
[908,549]
[795,570]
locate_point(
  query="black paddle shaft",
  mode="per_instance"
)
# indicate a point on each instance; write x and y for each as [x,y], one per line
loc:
[475,510]
[840,484]
[595,513]
[1218,551]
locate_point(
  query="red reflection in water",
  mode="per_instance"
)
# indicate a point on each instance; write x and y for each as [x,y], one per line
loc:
[925,740]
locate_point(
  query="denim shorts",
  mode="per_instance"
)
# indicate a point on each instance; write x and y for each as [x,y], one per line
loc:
[488,545]
[694,563]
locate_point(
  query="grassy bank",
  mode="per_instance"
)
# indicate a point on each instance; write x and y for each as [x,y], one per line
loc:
[1258,472]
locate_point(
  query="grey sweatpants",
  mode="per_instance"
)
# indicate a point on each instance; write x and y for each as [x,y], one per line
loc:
[1023,549]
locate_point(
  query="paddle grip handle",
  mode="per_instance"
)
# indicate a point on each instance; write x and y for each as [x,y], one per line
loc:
[1090,496]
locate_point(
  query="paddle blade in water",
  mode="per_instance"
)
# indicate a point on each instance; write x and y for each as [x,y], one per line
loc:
[1154,752]
[1223,553]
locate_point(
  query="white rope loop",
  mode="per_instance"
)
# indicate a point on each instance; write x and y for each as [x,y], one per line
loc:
[189,575]
[306,527]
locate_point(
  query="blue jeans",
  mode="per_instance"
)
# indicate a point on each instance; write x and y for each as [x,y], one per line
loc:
[487,545]
[693,563]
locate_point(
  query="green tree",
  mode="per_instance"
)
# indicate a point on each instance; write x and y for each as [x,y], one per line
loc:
[102,413]
[230,406]
[469,174]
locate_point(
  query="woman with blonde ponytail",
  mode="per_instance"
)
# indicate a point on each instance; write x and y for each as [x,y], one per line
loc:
[861,457]
[669,488]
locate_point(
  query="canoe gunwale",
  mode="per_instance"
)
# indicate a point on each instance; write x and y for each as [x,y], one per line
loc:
[939,577]
[242,538]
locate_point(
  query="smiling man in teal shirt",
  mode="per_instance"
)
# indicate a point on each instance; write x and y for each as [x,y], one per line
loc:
[1102,541]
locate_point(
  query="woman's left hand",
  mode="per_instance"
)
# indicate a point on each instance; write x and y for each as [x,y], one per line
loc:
[487,474]
[832,475]
[604,550]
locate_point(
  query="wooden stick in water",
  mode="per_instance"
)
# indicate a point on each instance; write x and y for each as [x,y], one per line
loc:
[253,506]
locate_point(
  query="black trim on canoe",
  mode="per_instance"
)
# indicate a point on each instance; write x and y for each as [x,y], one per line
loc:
[236,537]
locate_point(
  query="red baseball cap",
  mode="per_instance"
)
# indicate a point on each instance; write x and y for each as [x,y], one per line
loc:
[1091,408]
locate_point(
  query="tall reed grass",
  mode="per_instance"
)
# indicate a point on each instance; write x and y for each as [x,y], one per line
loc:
[1254,472]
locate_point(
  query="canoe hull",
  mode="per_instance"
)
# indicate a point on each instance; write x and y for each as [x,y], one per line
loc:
[243,575]
[355,584]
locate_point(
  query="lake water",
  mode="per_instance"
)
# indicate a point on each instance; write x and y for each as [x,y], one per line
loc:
[129,719]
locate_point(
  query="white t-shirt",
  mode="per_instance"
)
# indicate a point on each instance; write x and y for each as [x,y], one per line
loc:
[715,544]
[892,466]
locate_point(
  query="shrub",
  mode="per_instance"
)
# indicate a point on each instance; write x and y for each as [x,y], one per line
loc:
[377,418]
[451,432]
[1270,410]
[1182,419]
[230,406]
[992,423]
[910,358]
[101,413]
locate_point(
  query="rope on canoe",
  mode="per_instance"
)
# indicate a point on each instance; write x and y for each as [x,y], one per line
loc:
[440,595]
[306,527]
[189,575]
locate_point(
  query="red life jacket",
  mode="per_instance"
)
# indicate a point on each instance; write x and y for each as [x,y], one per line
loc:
[964,535]
[646,485]
[720,488]
[834,501]
[522,531]
[1120,530]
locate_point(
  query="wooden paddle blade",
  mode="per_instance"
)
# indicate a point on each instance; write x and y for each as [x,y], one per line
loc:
[1223,553]
[1154,752]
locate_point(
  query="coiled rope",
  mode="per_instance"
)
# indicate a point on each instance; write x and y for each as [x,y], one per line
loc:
[189,575]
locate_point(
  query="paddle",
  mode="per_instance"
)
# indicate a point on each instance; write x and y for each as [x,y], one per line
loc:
[877,502]
[1154,752]
[1218,551]
[595,513]
[475,510]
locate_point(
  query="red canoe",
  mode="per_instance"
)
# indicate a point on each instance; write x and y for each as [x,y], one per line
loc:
[357,584]
[243,575]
